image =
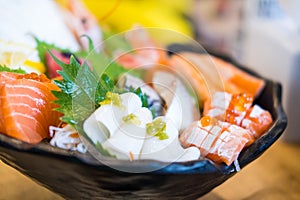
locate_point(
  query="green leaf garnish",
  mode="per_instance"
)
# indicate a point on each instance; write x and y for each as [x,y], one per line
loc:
[91,44]
[43,47]
[138,91]
[81,90]
[4,68]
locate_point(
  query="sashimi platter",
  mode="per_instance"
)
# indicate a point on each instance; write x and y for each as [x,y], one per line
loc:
[123,115]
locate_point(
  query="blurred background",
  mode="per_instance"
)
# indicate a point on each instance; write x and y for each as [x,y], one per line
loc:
[263,35]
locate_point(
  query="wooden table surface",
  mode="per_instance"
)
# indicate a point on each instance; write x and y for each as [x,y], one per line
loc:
[275,176]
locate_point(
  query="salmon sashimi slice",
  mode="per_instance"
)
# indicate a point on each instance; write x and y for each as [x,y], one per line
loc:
[237,109]
[209,74]
[233,76]
[229,145]
[257,120]
[228,107]
[27,108]
[216,140]
[5,77]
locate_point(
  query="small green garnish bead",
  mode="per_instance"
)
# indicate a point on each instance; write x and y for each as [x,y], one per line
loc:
[112,98]
[132,119]
[157,128]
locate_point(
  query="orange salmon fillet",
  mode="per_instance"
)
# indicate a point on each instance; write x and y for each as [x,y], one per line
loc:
[26,106]
[209,74]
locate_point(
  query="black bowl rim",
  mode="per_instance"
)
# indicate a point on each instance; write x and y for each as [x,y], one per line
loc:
[191,167]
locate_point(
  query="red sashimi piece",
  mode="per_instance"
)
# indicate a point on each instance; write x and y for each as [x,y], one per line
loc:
[52,66]
[27,107]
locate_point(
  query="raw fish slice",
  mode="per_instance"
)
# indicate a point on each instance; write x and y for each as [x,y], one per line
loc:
[41,91]
[236,109]
[228,146]
[233,76]
[181,107]
[209,74]
[129,138]
[257,120]
[7,76]
[4,78]
[227,107]
[168,149]
[216,140]
[105,121]
[26,106]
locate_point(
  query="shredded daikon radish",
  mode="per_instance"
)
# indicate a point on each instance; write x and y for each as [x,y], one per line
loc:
[236,165]
[66,138]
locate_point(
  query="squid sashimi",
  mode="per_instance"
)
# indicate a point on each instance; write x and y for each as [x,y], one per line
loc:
[210,74]
[216,140]
[26,107]
[237,109]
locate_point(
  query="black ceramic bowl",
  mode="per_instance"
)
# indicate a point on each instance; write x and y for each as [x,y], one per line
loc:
[79,176]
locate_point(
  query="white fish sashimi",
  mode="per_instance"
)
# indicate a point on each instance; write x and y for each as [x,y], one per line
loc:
[131,102]
[127,141]
[181,106]
[106,120]
[168,150]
